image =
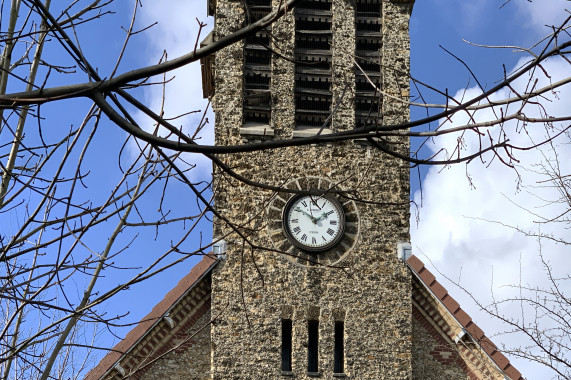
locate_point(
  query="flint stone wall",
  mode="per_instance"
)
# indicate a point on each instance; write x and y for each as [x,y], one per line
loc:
[255,288]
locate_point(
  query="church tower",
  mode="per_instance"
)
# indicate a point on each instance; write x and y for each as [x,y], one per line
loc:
[311,285]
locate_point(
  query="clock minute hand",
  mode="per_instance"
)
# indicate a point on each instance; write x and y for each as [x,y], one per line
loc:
[313,219]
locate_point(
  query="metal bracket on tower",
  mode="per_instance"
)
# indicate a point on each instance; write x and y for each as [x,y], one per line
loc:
[461,334]
[219,249]
[404,250]
[120,369]
[169,321]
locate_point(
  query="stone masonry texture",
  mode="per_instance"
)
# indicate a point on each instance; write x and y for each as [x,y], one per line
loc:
[394,327]
[369,289]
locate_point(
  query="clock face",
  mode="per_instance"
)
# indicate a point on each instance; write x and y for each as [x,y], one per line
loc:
[313,229]
[313,223]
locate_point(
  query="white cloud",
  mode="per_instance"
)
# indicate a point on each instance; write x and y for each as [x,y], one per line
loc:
[460,228]
[540,13]
[176,33]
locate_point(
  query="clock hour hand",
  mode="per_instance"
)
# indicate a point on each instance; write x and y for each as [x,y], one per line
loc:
[313,219]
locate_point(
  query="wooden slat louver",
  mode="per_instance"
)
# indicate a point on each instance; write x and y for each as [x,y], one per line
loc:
[368,45]
[313,37]
[257,66]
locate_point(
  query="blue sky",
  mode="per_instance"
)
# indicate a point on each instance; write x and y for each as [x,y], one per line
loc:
[451,232]
[466,230]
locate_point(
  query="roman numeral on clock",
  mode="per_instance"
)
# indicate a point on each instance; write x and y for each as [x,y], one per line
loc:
[313,241]
[297,230]
[304,237]
[330,231]
[333,222]
[295,221]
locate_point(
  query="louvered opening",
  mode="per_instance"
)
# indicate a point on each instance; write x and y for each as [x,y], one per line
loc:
[368,49]
[313,37]
[257,68]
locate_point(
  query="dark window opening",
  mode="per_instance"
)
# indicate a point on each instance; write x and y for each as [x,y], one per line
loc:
[286,344]
[316,83]
[339,358]
[313,23]
[312,346]
[369,65]
[369,7]
[368,24]
[373,108]
[260,3]
[368,44]
[313,5]
[257,80]
[364,85]
[255,58]
[311,63]
[258,38]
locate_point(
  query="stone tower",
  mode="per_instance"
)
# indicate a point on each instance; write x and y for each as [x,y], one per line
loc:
[330,299]
[310,285]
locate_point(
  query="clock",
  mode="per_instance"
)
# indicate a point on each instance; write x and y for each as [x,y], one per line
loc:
[314,223]
[320,226]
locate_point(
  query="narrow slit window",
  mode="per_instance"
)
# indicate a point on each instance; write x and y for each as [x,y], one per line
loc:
[339,355]
[286,344]
[312,346]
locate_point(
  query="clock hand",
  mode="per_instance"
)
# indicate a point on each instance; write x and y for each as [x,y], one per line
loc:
[322,216]
[313,219]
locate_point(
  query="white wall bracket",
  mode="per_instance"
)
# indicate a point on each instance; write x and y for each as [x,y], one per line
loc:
[219,249]
[404,250]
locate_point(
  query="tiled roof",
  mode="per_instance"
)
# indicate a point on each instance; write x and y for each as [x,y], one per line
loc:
[186,284]
[209,261]
[452,306]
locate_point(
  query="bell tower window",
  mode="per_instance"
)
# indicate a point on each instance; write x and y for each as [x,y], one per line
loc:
[257,66]
[313,38]
[368,46]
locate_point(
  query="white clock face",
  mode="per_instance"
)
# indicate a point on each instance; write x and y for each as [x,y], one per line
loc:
[314,223]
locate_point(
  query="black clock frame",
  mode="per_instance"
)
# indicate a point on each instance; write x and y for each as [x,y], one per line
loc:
[297,243]
[276,229]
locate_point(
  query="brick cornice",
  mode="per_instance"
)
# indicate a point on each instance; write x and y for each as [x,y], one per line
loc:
[151,329]
[436,303]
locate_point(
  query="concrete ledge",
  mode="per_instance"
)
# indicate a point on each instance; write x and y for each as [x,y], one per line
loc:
[309,132]
[257,130]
